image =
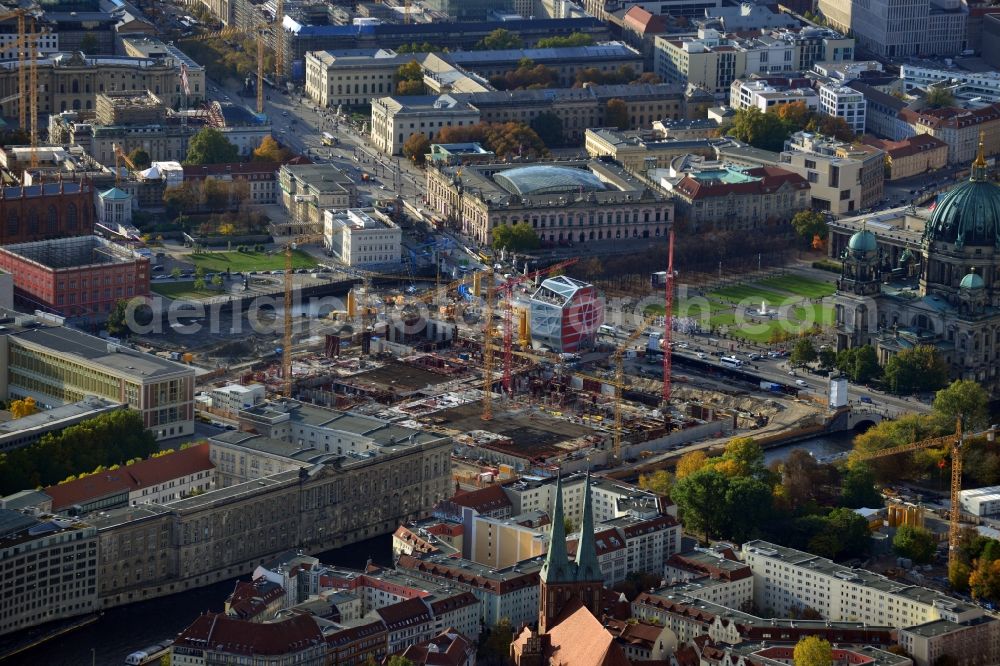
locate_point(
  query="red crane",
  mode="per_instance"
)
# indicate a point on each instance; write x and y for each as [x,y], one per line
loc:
[668,319]
[506,292]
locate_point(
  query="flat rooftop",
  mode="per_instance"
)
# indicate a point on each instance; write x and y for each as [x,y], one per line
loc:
[64,341]
[74,252]
[308,455]
[89,405]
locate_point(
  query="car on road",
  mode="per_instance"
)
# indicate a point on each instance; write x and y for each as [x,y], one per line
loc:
[701,355]
[158,267]
[801,382]
[868,401]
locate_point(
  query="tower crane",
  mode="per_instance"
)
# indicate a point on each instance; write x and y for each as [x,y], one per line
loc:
[258,30]
[286,350]
[668,325]
[488,346]
[120,155]
[957,444]
[27,76]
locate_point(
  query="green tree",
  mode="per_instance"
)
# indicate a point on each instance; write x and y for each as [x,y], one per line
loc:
[518,237]
[984,580]
[658,482]
[89,44]
[747,506]
[697,498]
[858,488]
[915,543]
[549,127]
[199,284]
[833,126]
[217,281]
[917,369]
[410,79]
[760,130]
[813,651]
[494,647]
[852,532]
[803,352]
[809,224]
[827,358]
[742,457]
[181,199]
[117,325]
[416,148]
[860,364]
[574,39]
[937,98]
[958,575]
[965,398]
[210,146]
[616,114]
[399,660]
[500,39]
[140,158]
[175,273]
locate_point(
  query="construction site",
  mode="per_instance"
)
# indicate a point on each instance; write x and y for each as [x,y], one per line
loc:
[518,370]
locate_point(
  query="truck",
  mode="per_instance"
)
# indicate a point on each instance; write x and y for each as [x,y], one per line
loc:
[771,386]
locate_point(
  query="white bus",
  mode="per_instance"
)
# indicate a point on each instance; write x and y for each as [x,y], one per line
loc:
[328,139]
[731,362]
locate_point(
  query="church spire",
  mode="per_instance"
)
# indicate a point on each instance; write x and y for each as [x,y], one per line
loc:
[556,568]
[979,166]
[587,567]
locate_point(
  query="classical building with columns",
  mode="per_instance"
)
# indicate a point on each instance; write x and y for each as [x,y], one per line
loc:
[565,202]
[945,293]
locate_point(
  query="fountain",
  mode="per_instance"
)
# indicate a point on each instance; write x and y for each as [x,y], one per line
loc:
[763,310]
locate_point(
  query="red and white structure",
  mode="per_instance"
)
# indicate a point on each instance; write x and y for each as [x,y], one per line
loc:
[565,315]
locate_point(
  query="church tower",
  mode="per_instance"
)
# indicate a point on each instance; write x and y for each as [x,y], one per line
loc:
[562,580]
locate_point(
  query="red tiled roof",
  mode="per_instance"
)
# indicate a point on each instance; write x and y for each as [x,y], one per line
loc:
[679,561]
[642,21]
[484,500]
[606,541]
[454,602]
[251,598]
[464,577]
[956,117]
[217,633]
[143,474]
[404,612]
[420,545]
[911,146]
[771,180]
[579,638]
[450,648]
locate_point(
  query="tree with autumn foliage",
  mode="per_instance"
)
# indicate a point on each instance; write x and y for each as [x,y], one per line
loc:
[21,408]
[507,140]
[690,463]
[813,651]
[270,150]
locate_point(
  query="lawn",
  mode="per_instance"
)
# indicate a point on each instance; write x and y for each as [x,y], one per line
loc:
[800,286]
[216,262]
[753,295]
[182,290]
[819,314]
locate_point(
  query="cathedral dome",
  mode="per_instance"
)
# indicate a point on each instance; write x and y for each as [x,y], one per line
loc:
[864,242]
[972,281]
[970,213]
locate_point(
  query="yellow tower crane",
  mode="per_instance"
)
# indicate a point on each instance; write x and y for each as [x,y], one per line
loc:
[121,156]
[488,351]
[619,384]
[27,76]
[957,445]
[259,31]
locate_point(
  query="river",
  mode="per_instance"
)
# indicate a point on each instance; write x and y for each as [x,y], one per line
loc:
[121,631]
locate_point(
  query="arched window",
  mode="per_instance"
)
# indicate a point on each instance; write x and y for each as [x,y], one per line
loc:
[33,222]
[75,87]
[71,220]
[13,224]
[52,223]
[76,105]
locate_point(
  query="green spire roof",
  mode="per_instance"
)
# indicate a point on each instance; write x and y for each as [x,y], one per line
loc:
[557,567]
[587,567]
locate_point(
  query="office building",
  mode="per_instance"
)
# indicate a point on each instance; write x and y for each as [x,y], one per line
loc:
[714,196]
[27,430]
[901,28]
[363,237]
[153,481]
[963,84]
[713,60]
[230,399]
[574,201]
[58,365]
[842,177]
[50,570]
[771,92]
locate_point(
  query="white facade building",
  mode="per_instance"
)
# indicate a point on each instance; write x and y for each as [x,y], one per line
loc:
[758,93]
[362,237]
[846,103]
[981,501]
[984,85]
[394,119]
[234,397]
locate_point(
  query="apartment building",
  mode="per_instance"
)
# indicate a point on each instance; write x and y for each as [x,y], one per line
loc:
[49,570]
[629,545]
[842,177]
[910,157]
[713,59]
[362,237]
[844,102]
[771,92]
[960,129]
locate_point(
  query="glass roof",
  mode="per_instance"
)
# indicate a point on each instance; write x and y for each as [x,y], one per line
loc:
[548,179]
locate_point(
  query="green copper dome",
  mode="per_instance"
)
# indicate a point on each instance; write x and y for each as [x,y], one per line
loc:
[863,241]
[972,281]
[970,213]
